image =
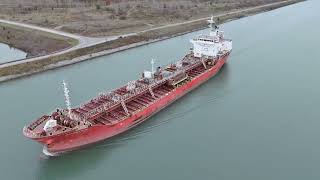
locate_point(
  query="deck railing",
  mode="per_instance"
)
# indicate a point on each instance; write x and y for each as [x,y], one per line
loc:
[116,99]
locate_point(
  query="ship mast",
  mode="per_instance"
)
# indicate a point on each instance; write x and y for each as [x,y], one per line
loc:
[67,97]
[213,26]
[152,65]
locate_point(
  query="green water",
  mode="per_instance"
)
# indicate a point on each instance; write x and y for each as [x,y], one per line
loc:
[257,119]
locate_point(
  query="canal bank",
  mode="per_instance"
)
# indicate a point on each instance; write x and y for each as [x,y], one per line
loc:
[28,67]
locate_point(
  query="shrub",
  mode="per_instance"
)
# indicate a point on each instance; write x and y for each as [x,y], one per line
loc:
[123,17]
[98,7]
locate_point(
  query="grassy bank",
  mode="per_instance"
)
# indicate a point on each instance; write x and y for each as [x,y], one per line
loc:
[33,42]
[37,66]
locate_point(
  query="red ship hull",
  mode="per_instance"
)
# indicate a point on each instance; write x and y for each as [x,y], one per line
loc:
[74,140]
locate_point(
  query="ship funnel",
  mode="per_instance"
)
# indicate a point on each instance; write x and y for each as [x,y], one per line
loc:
[67,97]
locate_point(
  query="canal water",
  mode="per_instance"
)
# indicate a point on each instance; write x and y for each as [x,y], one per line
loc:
[8,53]
[257,119]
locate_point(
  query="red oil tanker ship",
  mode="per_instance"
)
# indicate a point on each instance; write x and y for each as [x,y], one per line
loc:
[117,111]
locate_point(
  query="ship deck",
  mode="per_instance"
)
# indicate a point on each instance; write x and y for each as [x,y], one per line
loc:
[135,104]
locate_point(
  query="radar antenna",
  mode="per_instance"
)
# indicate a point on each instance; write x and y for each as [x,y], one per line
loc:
[67,97]
[212,24]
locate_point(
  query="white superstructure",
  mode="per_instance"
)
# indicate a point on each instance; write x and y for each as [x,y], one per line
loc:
[210,46]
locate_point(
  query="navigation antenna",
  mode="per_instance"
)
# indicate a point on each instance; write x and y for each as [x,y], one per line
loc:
[67,97]
[212,24]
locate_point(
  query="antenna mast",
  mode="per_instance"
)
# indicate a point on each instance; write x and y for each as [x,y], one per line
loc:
[67,97]
[212,24]
[213,27]
[152,65]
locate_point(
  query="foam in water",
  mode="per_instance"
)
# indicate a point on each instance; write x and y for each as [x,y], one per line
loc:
[47,153]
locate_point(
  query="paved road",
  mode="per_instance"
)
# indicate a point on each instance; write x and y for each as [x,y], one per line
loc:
[90,41]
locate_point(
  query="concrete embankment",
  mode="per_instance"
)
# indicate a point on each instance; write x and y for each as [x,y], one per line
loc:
[142,38]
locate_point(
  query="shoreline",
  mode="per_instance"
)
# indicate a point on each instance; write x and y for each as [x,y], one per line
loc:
[33,42]
[129,42]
